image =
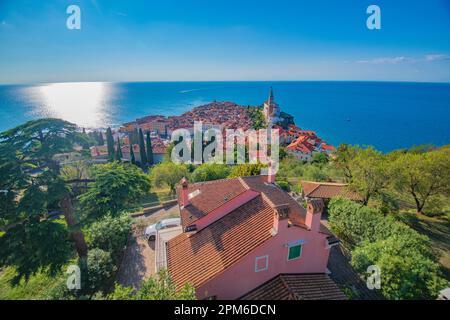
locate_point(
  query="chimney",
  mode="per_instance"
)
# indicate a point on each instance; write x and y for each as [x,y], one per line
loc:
[184,192]
[270,174]
[313,214]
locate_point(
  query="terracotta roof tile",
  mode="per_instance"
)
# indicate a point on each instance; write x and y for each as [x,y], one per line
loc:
[279,198]
[328,190]
[213,194]
[200,256]
[297,287]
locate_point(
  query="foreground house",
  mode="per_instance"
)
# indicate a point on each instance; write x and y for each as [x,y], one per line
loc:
[240,234]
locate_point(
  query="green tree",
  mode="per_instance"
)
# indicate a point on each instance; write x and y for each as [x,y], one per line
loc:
[100,140]
[34,188]
[119,154]
[116,186]
[109,234]
[319,158]
[149,148]
[142,151]
[207,172]
[132,157]
[169,174]
[370,173]
[405,272]
[343,160]
[110,144]
[408,265]
[246,170]
[135,136]
[157,287]
[422,175]
[257,117]
[100,267]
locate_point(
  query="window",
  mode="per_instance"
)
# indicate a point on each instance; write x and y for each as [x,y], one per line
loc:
[295,250]
[261,263]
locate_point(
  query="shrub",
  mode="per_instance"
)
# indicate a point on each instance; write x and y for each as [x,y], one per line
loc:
[246,170]
[405,272]
[207,172]
[408,267]
[109,234]
[157,287]
[284,185]
[100,268]
[356,223]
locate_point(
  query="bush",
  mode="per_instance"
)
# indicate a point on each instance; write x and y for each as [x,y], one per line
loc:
[356,223]
[408,267]
[100,268]
[157,287]
[246,170]
[405,272]
[284,185]
[109,234]
[207,172]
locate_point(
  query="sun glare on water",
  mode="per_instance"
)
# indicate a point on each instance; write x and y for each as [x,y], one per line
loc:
[82,103]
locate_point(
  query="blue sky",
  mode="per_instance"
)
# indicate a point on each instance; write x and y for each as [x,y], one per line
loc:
[148,40]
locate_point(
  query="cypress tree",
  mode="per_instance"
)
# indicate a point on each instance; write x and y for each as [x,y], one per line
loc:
[110,143]
[119,154]
[135,136]
[148,143]
[100,139]
[132,158]
[142,150]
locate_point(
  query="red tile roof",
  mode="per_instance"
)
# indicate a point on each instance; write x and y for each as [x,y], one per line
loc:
[328,190]
[199,257]
[212,195]
[316,286]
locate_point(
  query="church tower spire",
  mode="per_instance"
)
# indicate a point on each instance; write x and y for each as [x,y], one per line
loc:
[271,98]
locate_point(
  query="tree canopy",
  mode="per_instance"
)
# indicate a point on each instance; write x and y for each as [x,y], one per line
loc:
[169,174]
[422,175]
[207,172]
[408,266]
[116,186]
[34,189]
[157,287]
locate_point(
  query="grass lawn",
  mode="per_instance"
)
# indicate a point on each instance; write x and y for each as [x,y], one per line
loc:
[37,287]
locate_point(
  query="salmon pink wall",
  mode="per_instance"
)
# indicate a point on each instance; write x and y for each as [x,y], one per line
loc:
[241,278]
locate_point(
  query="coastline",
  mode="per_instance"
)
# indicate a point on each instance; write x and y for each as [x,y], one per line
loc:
[385,121]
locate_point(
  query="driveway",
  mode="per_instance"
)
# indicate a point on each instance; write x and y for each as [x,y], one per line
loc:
[138,262]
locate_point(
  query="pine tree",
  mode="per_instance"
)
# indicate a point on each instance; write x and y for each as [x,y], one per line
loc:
[119,155]
[110,143]
[142,152]
[132,158]
[149,149]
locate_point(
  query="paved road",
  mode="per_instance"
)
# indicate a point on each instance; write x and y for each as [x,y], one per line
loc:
[138,262]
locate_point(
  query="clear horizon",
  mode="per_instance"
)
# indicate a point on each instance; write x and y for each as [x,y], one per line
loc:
[181,41]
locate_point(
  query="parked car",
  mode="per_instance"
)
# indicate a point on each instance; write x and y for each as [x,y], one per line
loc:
[150,231]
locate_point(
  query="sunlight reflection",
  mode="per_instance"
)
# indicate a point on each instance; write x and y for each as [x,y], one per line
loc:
[83,103]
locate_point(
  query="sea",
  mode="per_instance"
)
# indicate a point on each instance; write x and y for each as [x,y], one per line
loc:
[386,115]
